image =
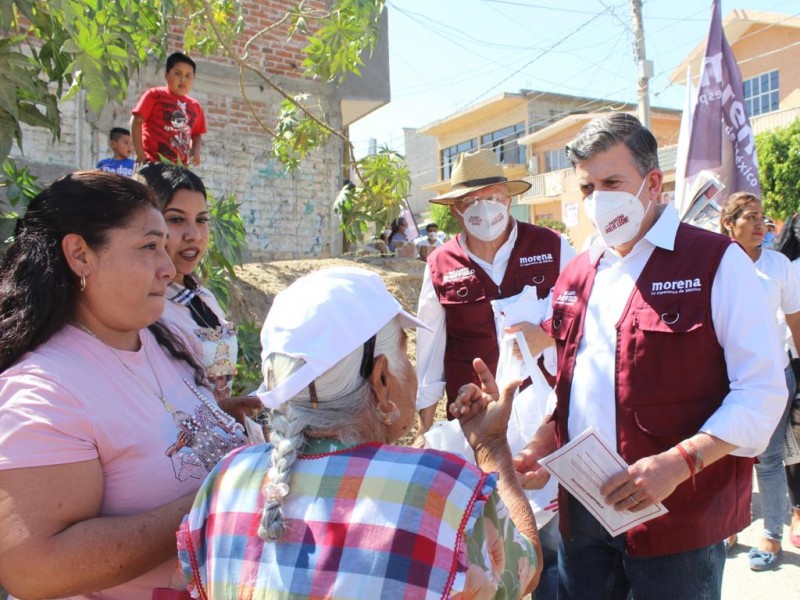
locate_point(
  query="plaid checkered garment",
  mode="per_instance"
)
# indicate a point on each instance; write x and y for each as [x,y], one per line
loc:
[372,521]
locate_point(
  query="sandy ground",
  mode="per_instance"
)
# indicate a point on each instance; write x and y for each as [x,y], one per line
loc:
[260,282]
[403,277]
[740,583]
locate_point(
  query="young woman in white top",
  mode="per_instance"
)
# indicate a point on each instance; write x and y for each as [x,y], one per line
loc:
[742,219]
[191,308]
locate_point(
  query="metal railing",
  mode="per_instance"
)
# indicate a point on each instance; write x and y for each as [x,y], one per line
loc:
[549,185]
[773,120]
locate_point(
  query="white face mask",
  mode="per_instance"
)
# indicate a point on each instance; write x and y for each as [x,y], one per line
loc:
[617,216]
[486,219]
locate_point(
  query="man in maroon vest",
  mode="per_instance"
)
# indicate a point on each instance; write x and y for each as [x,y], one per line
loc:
[665,347]
[494,257]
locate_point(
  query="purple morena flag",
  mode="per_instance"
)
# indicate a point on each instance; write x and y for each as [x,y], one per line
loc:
[722,139]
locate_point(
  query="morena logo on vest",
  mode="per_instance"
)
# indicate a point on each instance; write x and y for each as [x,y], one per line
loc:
[537,259]
[678,286]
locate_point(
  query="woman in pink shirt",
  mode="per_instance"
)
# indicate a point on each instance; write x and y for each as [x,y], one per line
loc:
[107,428]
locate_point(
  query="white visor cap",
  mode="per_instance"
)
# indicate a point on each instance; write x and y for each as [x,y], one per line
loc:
[321,318]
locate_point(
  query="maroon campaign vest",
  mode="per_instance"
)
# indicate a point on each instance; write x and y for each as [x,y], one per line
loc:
[465,292]
[670,378]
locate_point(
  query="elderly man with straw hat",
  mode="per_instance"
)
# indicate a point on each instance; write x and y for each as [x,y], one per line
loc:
[494,257]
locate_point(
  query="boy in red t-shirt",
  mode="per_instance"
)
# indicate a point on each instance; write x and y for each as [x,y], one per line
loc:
[166,122]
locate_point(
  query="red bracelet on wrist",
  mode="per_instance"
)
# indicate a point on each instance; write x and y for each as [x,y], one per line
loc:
[689,461]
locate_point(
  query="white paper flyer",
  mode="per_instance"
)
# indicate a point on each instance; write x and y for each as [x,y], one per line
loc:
[582,466]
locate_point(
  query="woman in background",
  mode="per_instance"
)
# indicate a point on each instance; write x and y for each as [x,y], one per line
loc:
[742,219]
[788,244]
[397,236]
[105,420]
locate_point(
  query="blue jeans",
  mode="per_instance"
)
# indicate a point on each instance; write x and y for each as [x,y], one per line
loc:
[772,475]
[548,584]
[594,566]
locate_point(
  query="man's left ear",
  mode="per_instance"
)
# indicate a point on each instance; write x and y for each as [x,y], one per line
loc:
[655,183]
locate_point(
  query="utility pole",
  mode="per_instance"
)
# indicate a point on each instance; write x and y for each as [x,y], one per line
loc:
[645,66]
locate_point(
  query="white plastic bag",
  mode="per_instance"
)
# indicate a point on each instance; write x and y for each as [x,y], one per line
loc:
[528,410]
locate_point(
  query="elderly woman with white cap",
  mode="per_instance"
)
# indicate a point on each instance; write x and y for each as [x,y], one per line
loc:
[330,508]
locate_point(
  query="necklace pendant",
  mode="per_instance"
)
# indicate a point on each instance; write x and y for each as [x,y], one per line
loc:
[168,405]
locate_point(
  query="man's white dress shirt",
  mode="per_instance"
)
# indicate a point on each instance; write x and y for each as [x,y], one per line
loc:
[744,325]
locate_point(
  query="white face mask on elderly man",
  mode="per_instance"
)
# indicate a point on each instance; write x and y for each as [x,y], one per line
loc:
[617,216]
[486,219]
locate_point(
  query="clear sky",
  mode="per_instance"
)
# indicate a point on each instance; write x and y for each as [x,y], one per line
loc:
[446,55]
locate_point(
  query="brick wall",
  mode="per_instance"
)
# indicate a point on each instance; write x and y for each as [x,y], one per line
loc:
[287,215]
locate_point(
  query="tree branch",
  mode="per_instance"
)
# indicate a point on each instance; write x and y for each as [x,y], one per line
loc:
[243,64]
[252,108]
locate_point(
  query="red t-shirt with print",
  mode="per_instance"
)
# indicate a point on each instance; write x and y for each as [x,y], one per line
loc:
[170,123]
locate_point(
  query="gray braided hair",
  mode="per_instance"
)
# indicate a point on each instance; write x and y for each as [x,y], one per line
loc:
[345,405]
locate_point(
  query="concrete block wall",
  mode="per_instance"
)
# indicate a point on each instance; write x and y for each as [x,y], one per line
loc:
[287,215]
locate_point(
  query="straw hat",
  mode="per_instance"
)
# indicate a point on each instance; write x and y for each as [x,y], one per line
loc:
[475,170]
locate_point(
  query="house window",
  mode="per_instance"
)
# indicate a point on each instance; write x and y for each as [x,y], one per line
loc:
[449,155]
[761,93]
[504,144]
[555,160]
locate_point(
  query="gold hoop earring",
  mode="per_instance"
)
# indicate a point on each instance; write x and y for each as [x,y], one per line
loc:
[83,282]
[390,417]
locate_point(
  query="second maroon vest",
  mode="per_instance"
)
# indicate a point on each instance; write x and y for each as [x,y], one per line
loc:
[670,378]
[465,292]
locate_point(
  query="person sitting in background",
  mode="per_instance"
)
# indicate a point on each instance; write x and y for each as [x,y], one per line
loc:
[106,426]
[331,508]
[119,140]
[427,243]
[397,235]
[742,219]
[191,308]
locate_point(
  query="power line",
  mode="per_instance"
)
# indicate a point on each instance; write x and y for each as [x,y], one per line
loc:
[426,22]
[474,74]
[744,37]
[576,11]
[538,56]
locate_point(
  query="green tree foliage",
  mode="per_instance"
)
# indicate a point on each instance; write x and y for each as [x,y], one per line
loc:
[53,48]
[19,187]
[338,40]
[227,242]
[377,199]
[779,170]
[248,366]
[553,224]
[441,215]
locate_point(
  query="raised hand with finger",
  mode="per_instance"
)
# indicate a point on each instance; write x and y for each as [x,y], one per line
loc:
[483,412]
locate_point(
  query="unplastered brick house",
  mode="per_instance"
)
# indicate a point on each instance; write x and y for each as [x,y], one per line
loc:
[287,215]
